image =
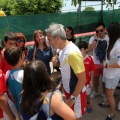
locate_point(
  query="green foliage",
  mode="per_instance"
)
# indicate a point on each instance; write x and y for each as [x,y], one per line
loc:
[89,9]
[108,3]
[26,7]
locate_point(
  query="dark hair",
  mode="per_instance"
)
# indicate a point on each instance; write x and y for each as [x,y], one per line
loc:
[9,36]
[12,55]
[114,33]
[82,44]
[35,82]
[71,29]
[20,35]
[100,23]
[36,43]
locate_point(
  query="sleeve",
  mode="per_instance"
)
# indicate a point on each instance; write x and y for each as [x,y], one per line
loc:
[75,60]
[30,54]
[91,40]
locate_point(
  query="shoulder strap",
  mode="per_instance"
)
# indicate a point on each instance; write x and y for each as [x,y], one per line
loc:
[47,104]
[34,53]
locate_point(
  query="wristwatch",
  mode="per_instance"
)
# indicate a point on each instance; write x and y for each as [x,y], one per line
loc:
[73,98]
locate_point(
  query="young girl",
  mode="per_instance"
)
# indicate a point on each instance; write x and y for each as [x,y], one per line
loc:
[36,86]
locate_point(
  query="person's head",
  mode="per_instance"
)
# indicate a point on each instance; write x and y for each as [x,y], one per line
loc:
[83,46]
[56,33]
[113,33]
[36,81]
[14,56]
[39,38]
[69,31]
[100,29]
[20,40]
[9,39]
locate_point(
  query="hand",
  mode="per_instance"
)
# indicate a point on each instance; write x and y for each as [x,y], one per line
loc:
[95,35]
[12,117]
[69,102]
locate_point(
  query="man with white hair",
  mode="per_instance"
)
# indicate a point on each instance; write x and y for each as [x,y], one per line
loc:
[72,68]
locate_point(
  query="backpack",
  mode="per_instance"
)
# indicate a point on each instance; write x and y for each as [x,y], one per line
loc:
[45,107]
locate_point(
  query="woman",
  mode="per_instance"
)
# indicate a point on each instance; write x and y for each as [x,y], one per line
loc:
[36,85]
[21,40]
[111,70]
[70,34]
[43,50]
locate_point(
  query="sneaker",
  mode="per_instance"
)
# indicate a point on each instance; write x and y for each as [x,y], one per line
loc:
[119,105]
[94,94]
[110,117]
[89,108]
[103,105]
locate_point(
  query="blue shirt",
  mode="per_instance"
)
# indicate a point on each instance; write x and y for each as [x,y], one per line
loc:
[45,56]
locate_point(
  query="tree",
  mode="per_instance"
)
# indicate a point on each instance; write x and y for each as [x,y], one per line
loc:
[89,9]
[26,7]
[107,2]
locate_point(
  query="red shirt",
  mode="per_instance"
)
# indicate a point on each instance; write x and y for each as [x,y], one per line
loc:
[89,66]
[4,66]
[3,88]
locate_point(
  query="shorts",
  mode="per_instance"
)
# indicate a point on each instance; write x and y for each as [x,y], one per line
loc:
[98,70]
[88,90]
[111,83]
[79,106]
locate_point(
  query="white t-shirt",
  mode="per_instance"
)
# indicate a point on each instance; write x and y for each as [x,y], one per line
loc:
[95,58]
[114,58]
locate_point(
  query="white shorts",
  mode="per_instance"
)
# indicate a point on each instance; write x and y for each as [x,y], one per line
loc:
[111,83]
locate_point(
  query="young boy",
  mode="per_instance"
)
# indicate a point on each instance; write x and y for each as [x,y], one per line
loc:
[9,41]
[15,57]
[3,101]
[89,70]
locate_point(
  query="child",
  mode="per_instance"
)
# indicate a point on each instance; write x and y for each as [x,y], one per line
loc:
[3,89]
[15,57]
[89,69]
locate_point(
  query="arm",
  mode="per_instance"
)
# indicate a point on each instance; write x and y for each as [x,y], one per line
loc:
[91,78]
[5,107]
[80,84]
[92,43]
[61,109]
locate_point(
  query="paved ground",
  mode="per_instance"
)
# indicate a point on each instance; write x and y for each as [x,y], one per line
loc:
[98,113]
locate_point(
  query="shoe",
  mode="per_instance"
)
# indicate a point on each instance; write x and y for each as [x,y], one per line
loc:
[110,117]
[103,105]
[119,105]
[89,108]
[94,94]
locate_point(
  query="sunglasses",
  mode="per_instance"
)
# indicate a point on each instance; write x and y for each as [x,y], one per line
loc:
[101,30]
[20,41]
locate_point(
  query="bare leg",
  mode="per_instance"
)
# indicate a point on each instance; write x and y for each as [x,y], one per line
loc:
[110,98]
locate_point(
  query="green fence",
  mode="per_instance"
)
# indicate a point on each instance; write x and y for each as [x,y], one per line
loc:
[28,23]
